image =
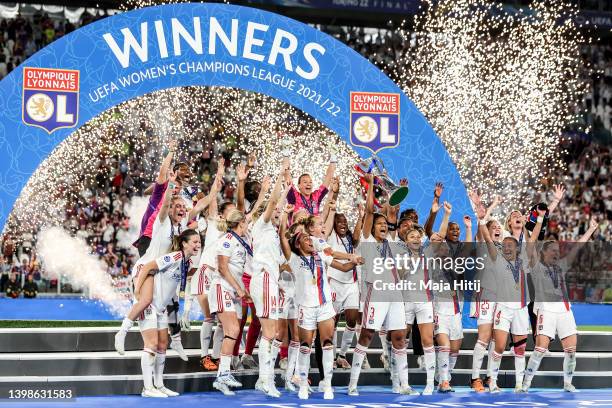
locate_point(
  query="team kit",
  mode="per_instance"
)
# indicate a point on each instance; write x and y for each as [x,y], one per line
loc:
[284,255]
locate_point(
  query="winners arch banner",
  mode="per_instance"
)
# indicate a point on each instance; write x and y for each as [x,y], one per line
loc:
[122,57]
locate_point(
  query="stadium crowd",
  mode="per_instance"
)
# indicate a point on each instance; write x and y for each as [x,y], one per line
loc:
[100,215]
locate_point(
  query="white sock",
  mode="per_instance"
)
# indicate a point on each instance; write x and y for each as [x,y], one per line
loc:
[347,340]
[158,376]
[147,363]
[387,346]
[495,363]
[303,365]
[292,356]
[126,324]
[328,363]
[217,341]
[480,350]
[224,364]
[452,360]
[358,355]
[264,357]
[400,365]
[274,349]
[490,358]
[519,369]
[533,365]
[442,358]
[205,335]
[569,364]
[430,364]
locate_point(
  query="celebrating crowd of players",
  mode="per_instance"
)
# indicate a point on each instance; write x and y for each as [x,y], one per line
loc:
[293,261]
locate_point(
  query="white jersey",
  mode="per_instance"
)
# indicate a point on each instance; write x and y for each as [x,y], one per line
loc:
[311,284]
[267,252]
[248,238]
[419,275]
[447,301]
[343,245]
[161,238]
[321,245]
[550,287]
[209,252]
[512,291]
[229,245]
[486,275]
[167,279]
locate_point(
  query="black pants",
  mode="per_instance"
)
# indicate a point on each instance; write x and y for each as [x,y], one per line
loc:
[417,347]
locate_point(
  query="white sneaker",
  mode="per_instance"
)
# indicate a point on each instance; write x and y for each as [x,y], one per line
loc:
[152,393]
[272,391]
[429,389]
[177,346]
[289,386]
[231,381]
[248,362]
[120,343]
[328,394]
[519,389]
[408,390]
[168,391]
[261,385]
[352,391]
[303,393]
[569,387]
[494,388]
[221,386]
[395,387]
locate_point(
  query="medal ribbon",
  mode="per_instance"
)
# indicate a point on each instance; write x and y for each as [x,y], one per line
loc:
[314,264]
[243,242]
[348,246]
[309,204]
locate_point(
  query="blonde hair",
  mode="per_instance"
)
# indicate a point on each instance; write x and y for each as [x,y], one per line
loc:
[231,221]
[508,219]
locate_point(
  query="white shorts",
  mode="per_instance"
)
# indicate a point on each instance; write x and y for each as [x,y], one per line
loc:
[200,283]
[264,292]
[344,295]
[308,317]
[221,299]
[515,321]
[287,309]
[151,319]
[553,323]
[482,310]
[449,325]
[391,315]
[423,311]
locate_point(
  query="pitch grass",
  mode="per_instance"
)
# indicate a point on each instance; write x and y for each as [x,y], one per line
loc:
[8,324]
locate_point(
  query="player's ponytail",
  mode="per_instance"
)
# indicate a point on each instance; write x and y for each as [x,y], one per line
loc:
[178,240]
[231,221]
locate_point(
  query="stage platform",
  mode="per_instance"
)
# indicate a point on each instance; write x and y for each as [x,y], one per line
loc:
[83,359]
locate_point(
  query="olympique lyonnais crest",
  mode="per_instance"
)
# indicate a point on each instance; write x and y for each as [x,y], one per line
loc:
[375,120]
[50,98]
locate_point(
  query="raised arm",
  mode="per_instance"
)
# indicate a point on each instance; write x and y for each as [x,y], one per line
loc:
[331,169]
[276,192]
[448,208]
[265,186]
[557,197]
[369,210]
[329,221]
[200,206]
[162,176]
[571,255]
[241,174]
[435,207]
[484,232]
[213,209]
[358,225]
[163,211]
[467,222]
[282,231]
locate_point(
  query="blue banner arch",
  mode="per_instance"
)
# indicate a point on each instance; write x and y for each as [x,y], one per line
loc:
[142,51]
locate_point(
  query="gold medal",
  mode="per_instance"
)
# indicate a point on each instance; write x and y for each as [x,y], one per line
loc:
[516,286]
[314,281]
